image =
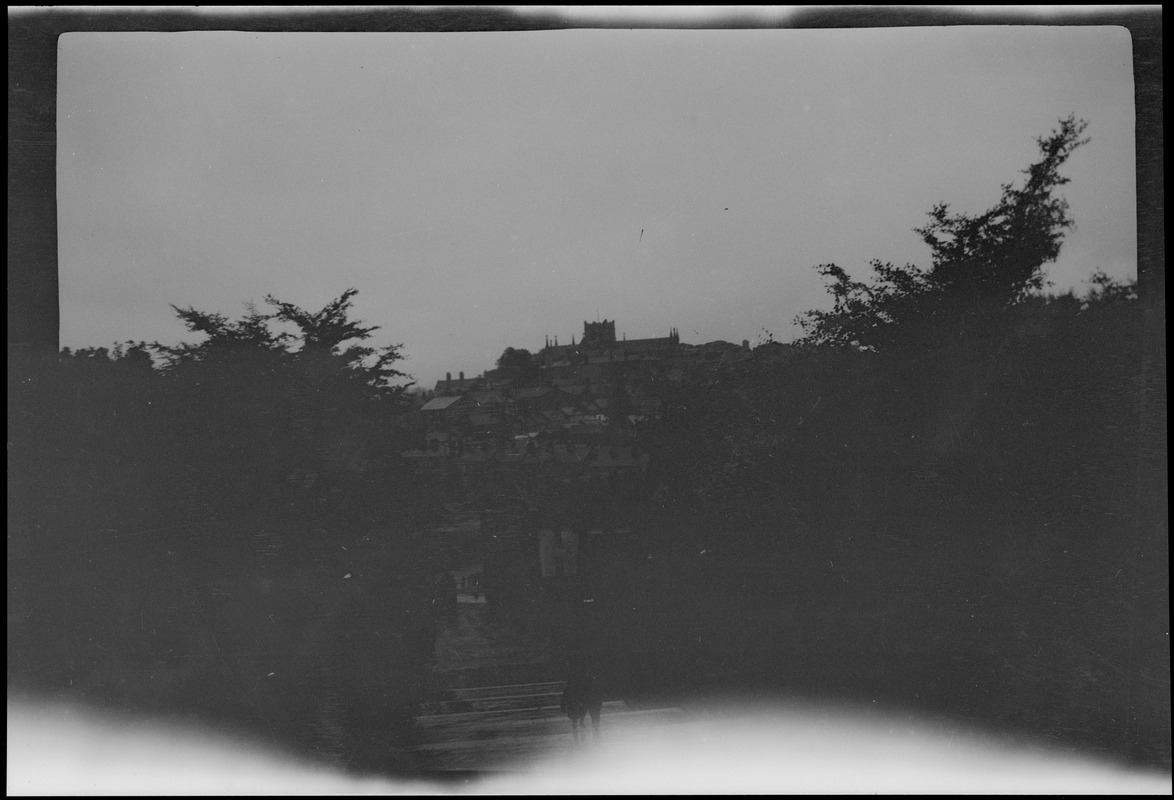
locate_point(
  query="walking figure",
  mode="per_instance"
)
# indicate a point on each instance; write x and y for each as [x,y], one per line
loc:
[580,698]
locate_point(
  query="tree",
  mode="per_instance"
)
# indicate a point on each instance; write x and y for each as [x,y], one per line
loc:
[324,337]
[252,402]
[147,499]
[512,357]
[331,344]
[978,262]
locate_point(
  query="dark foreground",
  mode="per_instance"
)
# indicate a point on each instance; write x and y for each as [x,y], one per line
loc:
[737,732]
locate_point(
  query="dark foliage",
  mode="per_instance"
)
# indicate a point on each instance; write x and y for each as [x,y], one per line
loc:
[979,263]
[935,493]
[197,537]
[515,357]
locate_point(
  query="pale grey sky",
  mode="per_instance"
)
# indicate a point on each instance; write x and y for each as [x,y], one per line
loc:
[485,190]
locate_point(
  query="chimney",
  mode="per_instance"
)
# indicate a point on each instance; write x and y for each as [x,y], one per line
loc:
[462,376]
[745,344]
[448,376]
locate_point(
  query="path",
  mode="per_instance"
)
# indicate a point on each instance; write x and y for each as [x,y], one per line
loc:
[515,727]
[494,704]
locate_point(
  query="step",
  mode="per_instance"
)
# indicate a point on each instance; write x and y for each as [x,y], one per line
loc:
[515,712]
[497,703]
[463,678]
[508,690]
[508,743]
[449,729]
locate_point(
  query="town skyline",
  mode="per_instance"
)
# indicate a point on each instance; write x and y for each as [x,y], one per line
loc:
[483,191]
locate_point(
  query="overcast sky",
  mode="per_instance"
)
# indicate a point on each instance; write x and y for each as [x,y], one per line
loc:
[485,190]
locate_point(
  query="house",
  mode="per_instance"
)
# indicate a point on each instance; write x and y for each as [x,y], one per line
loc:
[483,420]
[543,397]
[442,412]
[448,386]
[487,401]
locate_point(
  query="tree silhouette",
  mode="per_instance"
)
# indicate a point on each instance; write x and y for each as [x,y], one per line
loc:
[979,262]
[160,509]
[324,337]
[512,357]
[331,344]
[252,404]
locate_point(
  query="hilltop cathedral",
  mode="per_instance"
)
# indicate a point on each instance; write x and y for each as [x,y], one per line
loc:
[599,343]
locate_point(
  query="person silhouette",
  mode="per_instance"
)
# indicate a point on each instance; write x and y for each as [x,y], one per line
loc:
[581,697]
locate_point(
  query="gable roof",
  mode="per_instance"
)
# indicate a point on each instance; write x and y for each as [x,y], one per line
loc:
[439,403]
[456,384]
[486,398]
